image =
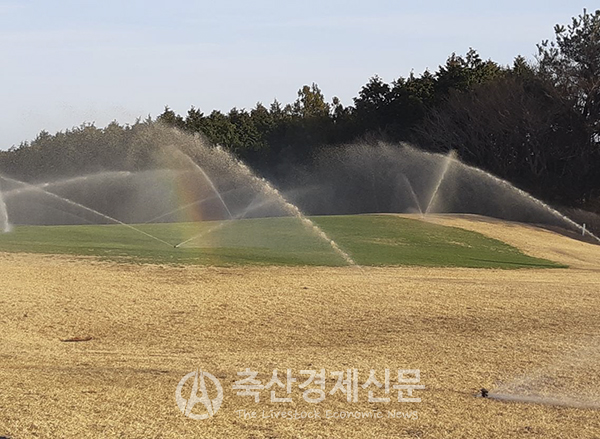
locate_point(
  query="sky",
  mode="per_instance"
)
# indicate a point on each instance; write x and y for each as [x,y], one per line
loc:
[69,62]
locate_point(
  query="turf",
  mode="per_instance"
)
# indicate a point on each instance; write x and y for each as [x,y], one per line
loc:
[152,324]
[379,240]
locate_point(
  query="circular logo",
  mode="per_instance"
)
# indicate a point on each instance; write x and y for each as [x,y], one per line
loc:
[199,394]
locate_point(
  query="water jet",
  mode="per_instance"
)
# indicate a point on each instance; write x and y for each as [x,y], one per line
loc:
[544,400]
[206,177]
[269,190]
[444,170]
[408,184]
[80,206]
[4,222]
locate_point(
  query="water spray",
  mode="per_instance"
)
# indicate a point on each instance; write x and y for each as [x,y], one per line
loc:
[4,222]
[269,190]
[74,180]
[412,192]
[531,198]
[81,206]
[222,224]
[449,159]
[542,400]
[452,158]
[206,177]
[186,206]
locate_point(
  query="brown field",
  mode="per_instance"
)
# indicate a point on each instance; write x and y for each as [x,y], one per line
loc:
[150,325]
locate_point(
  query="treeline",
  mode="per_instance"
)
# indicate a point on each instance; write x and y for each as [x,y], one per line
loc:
[268,137]
[536,124]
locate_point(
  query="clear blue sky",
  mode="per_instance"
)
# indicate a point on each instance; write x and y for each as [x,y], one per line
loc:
[65,62]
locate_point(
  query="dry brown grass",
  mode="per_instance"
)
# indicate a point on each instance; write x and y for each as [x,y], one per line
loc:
[151,325]
[529,238]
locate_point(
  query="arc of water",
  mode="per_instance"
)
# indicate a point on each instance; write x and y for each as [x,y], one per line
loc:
[412,192]
[81,206]
[452,158]
[34,187]
[206,177]
[268,189]
[449,159]
[531,198]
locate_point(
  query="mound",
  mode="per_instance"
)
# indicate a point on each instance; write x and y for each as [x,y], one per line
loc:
[532,240]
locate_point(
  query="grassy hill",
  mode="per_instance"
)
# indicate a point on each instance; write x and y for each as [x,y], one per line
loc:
[380,240]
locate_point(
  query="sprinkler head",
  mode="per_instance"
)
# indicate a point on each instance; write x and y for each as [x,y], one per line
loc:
[484,392]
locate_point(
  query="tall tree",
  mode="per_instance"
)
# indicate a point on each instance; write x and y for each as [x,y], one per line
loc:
[311,102]
[169,117]
[572,65]
[463,73]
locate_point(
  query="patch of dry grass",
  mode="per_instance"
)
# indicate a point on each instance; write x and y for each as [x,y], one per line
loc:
[150,325]
[528,238]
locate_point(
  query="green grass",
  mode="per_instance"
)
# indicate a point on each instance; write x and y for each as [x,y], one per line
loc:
[370,239]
